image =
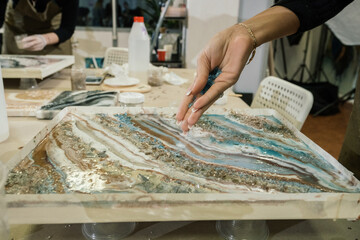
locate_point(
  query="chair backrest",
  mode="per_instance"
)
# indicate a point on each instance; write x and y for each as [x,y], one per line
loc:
[116,55]
[291,101]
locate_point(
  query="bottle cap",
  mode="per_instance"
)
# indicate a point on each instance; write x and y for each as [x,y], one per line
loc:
[139,19]
[131,97]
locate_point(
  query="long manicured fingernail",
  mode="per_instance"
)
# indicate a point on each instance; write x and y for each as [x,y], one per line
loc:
[188,93]
[194,110]
[178,123]
[190,126]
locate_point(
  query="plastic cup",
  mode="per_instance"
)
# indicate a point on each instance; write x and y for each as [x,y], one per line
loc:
[18,40]
[243,229]
[107,231]
[78,79]
[168,48]
[161,53]
[28,83]
[131,99]
[4,228]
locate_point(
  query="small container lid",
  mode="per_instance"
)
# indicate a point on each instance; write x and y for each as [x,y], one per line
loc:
[138,19]
[131,97]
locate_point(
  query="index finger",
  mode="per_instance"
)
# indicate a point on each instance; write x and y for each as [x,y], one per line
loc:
[205,101]
[202,74]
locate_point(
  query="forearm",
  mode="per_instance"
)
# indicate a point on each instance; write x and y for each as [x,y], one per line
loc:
[68,20]
[273,23]
[51,38]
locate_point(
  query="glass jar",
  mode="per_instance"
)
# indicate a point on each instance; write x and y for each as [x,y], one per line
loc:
[155,76]
[78,79]
[131,99]
[4,123]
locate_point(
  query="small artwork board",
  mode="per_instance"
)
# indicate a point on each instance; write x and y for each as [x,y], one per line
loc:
[135,164]
[33,66]
[77,98]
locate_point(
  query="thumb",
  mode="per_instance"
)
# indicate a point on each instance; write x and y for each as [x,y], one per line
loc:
[202,73]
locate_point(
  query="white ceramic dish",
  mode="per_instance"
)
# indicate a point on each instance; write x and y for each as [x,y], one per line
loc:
[121,82]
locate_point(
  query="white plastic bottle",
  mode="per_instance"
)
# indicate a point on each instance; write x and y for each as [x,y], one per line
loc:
[139,50]
[4,125]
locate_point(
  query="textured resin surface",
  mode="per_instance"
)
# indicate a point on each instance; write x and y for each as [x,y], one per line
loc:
[148,153]
[10,61]
[28,102]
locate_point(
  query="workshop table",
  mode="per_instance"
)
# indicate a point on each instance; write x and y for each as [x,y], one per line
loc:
[23,129]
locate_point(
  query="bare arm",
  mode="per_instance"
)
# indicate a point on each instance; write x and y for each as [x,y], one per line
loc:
[273,23]
[229,50]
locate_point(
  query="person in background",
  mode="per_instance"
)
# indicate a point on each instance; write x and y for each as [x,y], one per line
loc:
[83,16]
[230,51]
[126,15]
[48,24]
[98,13]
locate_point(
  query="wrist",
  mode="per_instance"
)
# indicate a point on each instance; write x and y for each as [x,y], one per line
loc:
[250,32]
[251,42]
[44,39]
[51,38]
[239,32]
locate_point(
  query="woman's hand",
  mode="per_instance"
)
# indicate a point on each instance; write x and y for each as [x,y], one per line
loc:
[39,41]
[34,42]
[229,50]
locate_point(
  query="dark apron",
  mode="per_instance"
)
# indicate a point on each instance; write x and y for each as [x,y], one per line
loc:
[24,19]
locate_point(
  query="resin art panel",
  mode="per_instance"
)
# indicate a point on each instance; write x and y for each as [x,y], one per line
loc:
[137,153]
[33,66]
[126,152]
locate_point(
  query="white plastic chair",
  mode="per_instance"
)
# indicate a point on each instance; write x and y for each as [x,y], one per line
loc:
[291,101]
[116,55]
